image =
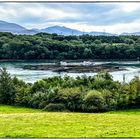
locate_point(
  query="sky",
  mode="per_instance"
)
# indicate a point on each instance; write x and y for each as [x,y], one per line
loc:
[107,17]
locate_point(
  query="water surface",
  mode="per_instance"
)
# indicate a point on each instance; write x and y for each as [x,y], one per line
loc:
[15,69]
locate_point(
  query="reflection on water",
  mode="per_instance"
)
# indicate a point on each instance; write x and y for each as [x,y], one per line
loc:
[15,69]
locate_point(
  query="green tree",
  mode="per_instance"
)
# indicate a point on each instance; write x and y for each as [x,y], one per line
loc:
[94,101]
[7,88]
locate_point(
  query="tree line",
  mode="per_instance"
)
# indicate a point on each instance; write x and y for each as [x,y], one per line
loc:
[53,46]
[97,93]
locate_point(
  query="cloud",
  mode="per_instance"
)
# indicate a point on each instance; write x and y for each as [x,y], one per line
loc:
[113,17]
[116,28]
[35,12]
[129,7]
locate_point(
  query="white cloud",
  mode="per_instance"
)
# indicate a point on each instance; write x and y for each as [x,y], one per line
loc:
[129,7]
[116,28]
[18,12]
[40,15]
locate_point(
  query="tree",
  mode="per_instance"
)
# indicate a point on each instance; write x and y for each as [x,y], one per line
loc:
[7,89]
[94,101]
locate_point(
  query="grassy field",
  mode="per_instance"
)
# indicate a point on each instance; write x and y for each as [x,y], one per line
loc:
[25,123]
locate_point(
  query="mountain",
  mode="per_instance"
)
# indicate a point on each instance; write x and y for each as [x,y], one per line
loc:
[135,33]
[14,28]
[61,30]
[17,29]
[10,27]
[67,31]
[28,32]
[102,33]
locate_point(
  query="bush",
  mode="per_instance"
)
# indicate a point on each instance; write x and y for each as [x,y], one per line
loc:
[7,88]
[41,99]
[110,99]
[104,81]
[55,107]
[37,99]
[18,83]
[22,96]
[72,98]
[53,96]
[39,86]
[94,102]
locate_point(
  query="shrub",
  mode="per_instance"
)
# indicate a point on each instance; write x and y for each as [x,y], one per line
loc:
[41,99]
[94,102]
[37,99]
[18,83]
[110,99]
[22,96]
[42,104]
[55,107]
[39,86]
[123,101]
[72,98]
[53,96]
[104,81]
[7,88]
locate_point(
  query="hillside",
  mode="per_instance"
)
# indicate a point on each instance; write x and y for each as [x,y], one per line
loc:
[10,27]
[36,124]
[60,47]
[14,28]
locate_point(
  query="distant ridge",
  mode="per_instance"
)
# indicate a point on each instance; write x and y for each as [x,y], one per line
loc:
[134,33]
[14,28]
[60,30]
[102,33]
[10,27]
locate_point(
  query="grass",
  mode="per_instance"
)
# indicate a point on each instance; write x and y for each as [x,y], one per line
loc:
[17,122]
[6,109]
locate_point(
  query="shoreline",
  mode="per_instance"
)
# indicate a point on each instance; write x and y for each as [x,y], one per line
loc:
[74,68]
[66,60]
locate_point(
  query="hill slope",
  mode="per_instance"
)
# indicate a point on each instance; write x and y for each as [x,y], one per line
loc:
[14,28]
[26,123]
[10,27]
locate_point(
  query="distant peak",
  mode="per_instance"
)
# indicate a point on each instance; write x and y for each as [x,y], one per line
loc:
[1,21]
[55,26]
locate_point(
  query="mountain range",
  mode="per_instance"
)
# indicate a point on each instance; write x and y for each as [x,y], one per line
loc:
[61,30]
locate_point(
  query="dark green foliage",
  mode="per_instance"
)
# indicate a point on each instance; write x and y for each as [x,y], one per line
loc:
[104,81]
[22,96]
[72,98]
[53,46]
[134,94]
[82,94]
[110,99]
[18,83]
[94,102]
[37,99]
[39,86]
[55,107]
[7,88]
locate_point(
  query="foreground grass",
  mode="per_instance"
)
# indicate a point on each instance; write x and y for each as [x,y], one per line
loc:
[6,109]
[22,122]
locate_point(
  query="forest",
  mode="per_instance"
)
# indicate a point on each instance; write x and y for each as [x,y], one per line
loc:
[83,94]
[53,46]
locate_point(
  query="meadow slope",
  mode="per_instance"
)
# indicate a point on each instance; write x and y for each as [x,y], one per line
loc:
[16,122]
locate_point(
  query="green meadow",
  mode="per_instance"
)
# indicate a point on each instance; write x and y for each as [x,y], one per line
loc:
[18,122]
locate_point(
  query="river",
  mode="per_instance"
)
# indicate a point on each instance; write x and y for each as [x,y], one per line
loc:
[15,69]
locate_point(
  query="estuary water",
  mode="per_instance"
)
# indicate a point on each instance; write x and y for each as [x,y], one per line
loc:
[30,76]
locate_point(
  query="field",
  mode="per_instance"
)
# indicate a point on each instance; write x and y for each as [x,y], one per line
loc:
[16,122]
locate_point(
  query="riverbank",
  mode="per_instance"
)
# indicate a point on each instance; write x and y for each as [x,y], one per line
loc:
[66,60]
[74,68]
